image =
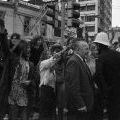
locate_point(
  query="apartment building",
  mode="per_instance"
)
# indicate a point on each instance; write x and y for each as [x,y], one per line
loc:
[96,14]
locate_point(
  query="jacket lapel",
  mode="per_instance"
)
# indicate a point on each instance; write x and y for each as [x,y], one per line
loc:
[84,66]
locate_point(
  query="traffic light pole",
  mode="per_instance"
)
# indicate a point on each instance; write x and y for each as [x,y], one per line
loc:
[14,15]
[63,21]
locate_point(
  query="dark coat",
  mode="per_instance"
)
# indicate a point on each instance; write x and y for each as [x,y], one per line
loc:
[35,55]
[108,74]
[47,102]
[4,81]
[78,84]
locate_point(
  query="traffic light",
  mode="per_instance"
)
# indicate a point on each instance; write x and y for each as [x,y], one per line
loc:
[57,23]
[73,13]
[51,14]
[57,30]
[79,32]
[56,16]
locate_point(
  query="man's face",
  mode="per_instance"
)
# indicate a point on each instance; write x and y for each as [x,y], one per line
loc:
[94,50]
[55,51]
[38,43]
[84,50]
[26,52]
[98,47]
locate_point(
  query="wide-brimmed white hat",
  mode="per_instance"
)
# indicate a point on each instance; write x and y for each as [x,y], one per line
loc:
[102,38]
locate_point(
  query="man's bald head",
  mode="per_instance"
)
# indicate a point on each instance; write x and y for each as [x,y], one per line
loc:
[80,44]
[82,48]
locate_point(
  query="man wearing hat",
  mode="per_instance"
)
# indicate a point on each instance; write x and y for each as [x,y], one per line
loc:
[108,75]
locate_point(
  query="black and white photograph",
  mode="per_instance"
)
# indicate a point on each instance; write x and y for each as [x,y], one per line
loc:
[59,59]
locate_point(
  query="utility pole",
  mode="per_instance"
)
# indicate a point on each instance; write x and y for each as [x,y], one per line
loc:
[62,21]
[15,3]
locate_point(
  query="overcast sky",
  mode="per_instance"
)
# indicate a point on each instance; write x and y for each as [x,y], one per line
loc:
[115,13]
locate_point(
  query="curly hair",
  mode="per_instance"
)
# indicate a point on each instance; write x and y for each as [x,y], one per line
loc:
[20,47]
[55,47]
[15,35]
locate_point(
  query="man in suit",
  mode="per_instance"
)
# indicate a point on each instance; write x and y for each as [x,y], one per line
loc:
[108,75]
[79,91]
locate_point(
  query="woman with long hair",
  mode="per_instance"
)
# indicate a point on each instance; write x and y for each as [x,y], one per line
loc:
[20,93]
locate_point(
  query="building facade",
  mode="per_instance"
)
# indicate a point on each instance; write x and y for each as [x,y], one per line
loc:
[105,12]
[96,14]
[20,18]
[116,31]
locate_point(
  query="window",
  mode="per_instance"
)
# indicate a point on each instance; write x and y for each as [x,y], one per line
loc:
[83,18]
[83,8]
[57,30]
[2,14]
[59,23]
[87,8]
[26,24]
[43,28]
[90,18]
[90,28]
[90,7]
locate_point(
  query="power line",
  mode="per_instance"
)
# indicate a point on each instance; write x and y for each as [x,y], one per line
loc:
[117,8]
[116,2]
[116,5]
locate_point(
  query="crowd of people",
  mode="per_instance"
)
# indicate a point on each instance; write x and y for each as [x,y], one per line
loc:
[44,81]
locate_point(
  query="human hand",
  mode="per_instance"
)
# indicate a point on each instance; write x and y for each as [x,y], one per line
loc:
[57,56]
[65,110]
[27,82]
[83,109]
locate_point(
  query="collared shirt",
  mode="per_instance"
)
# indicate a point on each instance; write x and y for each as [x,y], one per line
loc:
[79,56]
[85,63]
